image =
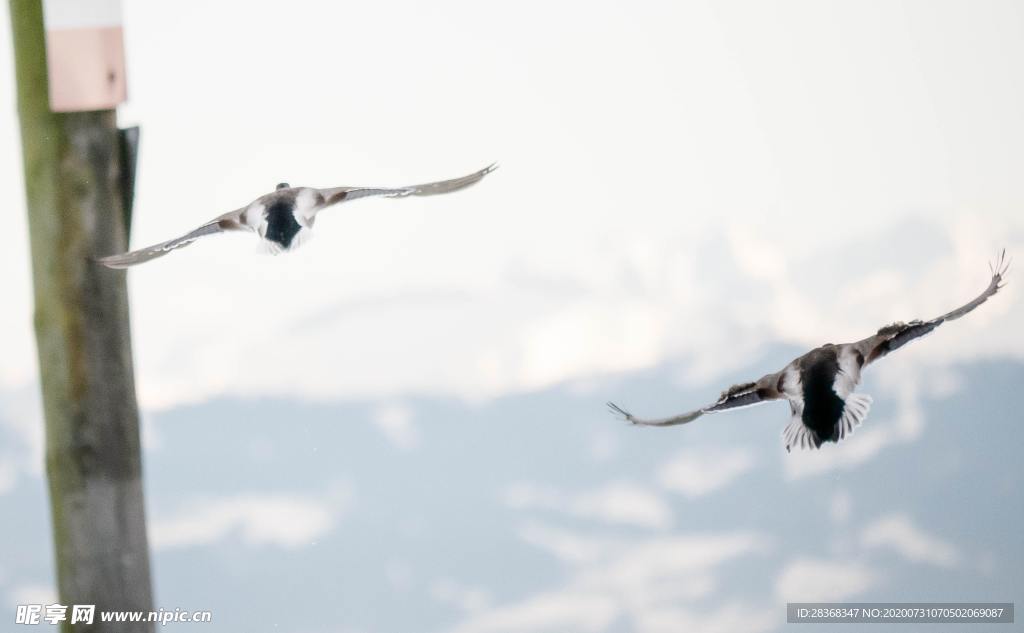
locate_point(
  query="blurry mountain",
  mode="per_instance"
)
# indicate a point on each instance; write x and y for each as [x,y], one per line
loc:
[540,511]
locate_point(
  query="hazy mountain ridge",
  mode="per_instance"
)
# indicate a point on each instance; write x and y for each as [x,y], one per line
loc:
[434,514]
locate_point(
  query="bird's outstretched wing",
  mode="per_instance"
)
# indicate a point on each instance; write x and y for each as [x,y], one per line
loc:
[335,195]
[892,337]
[742,395]
[227,222]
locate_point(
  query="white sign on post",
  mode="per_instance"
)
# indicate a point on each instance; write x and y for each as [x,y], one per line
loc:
[84,54]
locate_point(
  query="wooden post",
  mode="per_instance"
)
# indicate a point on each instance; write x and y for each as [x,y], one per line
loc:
[76,202]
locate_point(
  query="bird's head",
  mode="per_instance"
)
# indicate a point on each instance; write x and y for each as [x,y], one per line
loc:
[283,185]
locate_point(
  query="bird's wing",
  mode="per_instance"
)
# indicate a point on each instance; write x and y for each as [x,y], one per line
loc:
[742,395]
[850,363]
[228,222]
[335,195]
[895,336]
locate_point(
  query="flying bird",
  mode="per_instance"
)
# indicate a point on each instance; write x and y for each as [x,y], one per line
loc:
[820,384]
[284,217]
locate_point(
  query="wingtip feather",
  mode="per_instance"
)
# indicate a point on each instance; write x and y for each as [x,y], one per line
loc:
[619,411]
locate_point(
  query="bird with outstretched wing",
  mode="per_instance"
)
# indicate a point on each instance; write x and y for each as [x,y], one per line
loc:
[284,217]
[820,384]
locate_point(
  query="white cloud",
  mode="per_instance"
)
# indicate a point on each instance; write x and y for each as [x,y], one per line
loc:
[650,561]
[809,580]
[396,422]
[256,519]
[462,597]
[624,503]
[696,472]
[730,618]
[568,546]
[555,611]
[617,502]
[645,581]
[944,382]
[649,573]
[897,533]
[562,344]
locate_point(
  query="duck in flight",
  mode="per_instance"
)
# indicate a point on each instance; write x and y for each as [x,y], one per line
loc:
[283,218]
[819,385]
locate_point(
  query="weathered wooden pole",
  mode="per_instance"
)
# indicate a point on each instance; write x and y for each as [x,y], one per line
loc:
[75,185]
